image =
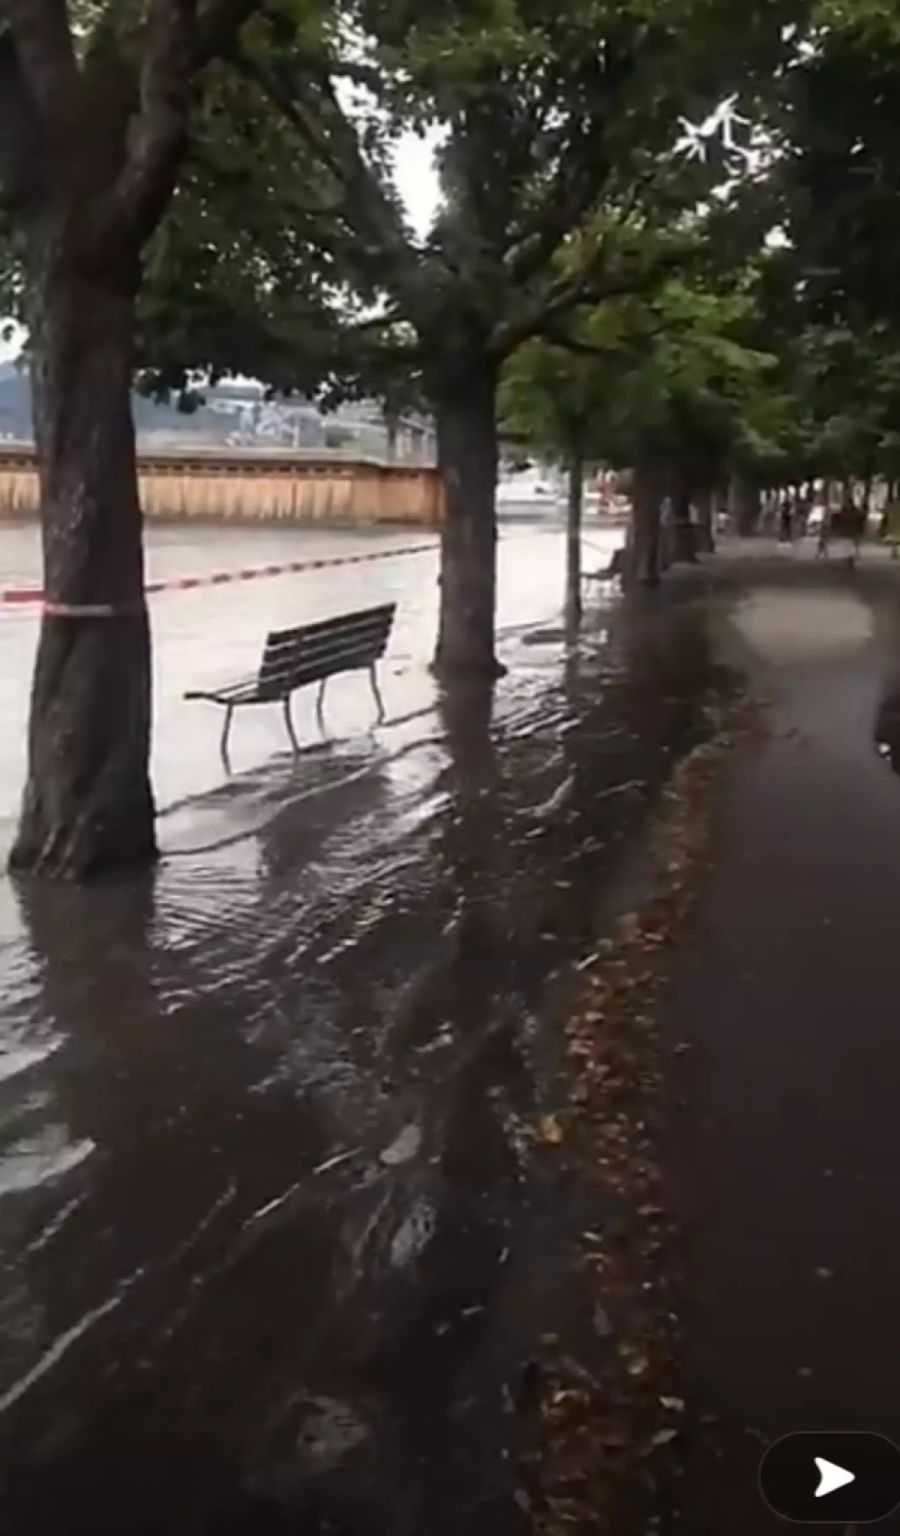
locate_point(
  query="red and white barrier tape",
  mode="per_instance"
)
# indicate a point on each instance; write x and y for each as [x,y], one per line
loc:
[23,596]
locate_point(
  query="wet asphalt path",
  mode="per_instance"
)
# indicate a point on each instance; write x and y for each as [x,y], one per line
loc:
[277,1243]
[784,1146]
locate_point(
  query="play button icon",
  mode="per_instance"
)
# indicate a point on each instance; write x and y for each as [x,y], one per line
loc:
[819,1479]
[831,1478]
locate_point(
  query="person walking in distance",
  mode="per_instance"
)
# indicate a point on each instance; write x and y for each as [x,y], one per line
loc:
[822,547]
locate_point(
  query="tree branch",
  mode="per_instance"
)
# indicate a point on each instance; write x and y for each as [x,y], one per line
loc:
[291,108]
[566,295]
[166,79]
[571,344]
[218,26]
[584,164]
[567,204]
[43,42]
[178,46]
[324,126]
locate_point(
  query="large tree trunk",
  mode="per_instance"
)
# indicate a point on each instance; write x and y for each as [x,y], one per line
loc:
[466,408]
[88,807]
[746,507]
[573,539]
[643,562]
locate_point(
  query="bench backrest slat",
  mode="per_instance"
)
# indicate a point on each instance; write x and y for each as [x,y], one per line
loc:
[295,657]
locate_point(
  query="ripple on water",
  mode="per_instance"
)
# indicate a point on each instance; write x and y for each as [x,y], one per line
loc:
[15,1060]
[41,1159]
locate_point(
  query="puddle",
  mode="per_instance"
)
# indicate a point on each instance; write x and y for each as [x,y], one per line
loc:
[797,626]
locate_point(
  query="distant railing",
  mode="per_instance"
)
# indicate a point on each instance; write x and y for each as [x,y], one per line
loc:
[233,485]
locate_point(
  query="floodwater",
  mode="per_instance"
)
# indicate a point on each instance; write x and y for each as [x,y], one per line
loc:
[276,1241]
[212,634]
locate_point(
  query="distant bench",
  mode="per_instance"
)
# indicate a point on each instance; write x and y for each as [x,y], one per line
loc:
[294,658]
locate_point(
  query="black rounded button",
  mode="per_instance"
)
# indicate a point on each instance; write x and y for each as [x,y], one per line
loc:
[831,1478]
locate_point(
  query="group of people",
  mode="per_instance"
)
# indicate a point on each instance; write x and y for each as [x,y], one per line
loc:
[794,516]
[797,514]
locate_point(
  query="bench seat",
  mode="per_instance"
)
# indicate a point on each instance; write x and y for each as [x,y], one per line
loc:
[312,653]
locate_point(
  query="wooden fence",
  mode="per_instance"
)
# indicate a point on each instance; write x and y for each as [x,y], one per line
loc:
[233,486]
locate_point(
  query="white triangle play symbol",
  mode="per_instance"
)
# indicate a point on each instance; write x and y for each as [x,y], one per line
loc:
[832,1477]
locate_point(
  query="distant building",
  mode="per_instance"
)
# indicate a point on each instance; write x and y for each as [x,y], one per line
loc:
[239,414]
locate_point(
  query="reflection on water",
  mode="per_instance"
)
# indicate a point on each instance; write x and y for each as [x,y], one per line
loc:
[270,1212]
[211,635]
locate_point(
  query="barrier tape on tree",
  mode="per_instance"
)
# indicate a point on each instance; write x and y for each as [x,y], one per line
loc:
[26,596]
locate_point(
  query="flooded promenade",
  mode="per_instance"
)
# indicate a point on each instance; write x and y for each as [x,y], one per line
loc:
[276,1239]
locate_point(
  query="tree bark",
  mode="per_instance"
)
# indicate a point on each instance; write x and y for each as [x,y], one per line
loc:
[88,807]
[466,409]
[575,509]
[706,534]
[643,564]
[684,541]
[746,507]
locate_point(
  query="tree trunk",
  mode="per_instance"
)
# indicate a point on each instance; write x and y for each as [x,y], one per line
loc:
[746,507]
[643,562]
[684,543]
[88,807]
[468,461]
[573,539]
[706,533]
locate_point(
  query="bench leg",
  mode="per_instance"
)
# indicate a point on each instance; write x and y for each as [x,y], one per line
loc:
[320,705]
[373,679]
[288,720]
[226,732]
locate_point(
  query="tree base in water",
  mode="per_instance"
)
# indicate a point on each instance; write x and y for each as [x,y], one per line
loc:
[462,671]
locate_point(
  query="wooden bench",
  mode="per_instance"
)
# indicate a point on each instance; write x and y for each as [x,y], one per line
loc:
[294,658]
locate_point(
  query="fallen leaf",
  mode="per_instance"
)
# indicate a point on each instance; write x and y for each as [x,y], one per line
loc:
[550,1130]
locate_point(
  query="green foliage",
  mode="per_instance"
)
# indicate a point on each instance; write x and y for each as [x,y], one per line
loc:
[840,180]
[563,172]
[233,284]
[673,381]
[560,168]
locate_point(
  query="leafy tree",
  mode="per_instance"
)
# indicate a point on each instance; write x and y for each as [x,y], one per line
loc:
[839,186]
[94,107]
[559,124]
[840,174]
[668,386]
[555,395]
[833,401]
